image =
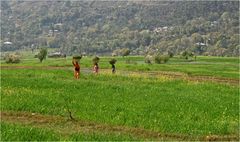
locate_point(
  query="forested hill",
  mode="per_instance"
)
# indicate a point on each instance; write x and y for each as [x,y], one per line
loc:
[203,27]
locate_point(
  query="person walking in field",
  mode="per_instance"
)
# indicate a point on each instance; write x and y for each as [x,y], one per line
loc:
[113,68]
[95,64]
[76,69]
[95,68]
[112,62]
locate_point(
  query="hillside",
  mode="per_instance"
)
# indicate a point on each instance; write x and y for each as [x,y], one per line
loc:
[203,27]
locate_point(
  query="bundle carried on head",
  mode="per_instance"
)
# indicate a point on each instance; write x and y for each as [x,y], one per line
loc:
[95,60]
[77,58]
[112,61]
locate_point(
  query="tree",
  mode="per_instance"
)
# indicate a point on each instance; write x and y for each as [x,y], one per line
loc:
[196,37]
[42,54]
[222,43]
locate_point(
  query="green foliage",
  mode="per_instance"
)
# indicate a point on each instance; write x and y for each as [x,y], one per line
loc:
[42,54]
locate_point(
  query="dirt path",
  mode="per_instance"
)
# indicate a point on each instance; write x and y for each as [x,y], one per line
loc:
[66,127]
[173,75]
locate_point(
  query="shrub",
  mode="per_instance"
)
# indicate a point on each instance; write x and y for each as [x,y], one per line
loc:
[148,59]
[42,54]
[161,59]
[187,55]
[12,58]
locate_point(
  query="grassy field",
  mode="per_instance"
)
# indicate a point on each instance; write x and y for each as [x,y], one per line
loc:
[226,67]
[138,105]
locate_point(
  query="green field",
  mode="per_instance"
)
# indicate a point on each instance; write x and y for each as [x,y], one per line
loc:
[130,105]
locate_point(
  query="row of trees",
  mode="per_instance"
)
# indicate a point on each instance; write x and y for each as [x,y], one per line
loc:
[157,57]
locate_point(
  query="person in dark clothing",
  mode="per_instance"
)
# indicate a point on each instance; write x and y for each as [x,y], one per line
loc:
[113,68]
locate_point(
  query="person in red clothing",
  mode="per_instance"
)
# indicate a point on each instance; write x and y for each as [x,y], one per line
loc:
[95,68]
[76,70]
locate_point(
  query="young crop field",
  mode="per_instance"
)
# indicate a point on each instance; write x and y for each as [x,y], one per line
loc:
[179,100]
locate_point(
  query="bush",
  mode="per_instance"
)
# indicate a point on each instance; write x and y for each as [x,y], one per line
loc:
[12,58]
[148,59]
[42,54]
[187,55]
[161,59]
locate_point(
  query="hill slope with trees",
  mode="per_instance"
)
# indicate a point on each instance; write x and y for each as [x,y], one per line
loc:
[103,27]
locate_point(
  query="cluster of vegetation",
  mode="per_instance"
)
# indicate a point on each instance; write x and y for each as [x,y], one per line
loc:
[12,58]
[161,59]
[42,54]
[188,55]
[202,27]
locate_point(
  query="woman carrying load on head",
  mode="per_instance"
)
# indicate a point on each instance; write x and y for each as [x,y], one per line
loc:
[76,69]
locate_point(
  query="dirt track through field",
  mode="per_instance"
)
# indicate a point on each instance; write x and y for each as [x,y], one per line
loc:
[173,75]
[66,127]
